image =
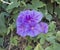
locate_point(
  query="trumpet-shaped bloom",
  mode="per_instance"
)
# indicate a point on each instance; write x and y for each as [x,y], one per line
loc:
[28,23]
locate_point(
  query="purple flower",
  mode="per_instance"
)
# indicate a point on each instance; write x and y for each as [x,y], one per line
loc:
[28,16]
[28,23]
[30,30]
[44,27]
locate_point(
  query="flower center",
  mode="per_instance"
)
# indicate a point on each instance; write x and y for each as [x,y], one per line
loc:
[32,28]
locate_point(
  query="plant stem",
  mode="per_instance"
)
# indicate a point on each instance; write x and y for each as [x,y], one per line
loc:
[10,42]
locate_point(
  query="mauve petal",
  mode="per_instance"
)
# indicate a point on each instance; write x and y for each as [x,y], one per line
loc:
[21,31]
[33,14]
[37,15]
[44,27]
[34,32]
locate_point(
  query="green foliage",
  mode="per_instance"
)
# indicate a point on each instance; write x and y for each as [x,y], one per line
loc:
[53,47]
[50,10]
[52,26]
[41,37]
[48,17]
[50,7]
[57,11]
[2,24]
[13,4]
[35,5]
[38,47]
[42,40]
[11,27]
[1,48]
[58,36]
[58,1]
[28,48]
[13,40]
[51,39]
[1,41]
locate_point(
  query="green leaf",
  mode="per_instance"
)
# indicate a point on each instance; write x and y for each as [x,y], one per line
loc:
[2,24]
[50,8]
[55,46]
[22,4]
[13,0]
[28,48]
[49,34]
[2,48]
[49,48]
[58,36]
[43,10]
[15,16]
[29,6]
[40,36]
[52,26]
[13,5]
[42,40]
[38,47]
[15,11]
[8,30]
[1,41]
[48,17]
[34,5]
[13,40]
[51,39]
[58,1]
[38,3]
[57,11]
[11,27]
